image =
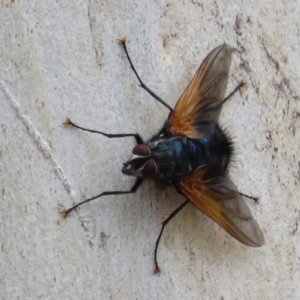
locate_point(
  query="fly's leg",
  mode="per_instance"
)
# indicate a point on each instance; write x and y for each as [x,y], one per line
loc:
[219,104]
[242,83]
[164,223]
[111,136]
[123,43]
[255,199]
[106,193]
[137,183]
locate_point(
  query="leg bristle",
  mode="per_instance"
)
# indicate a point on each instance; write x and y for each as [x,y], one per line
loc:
[64,213]
[242,82]
[156,271]
[122,41]
[67,122]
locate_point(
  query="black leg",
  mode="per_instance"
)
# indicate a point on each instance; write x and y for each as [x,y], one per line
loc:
[242,83]
[218,105]
[111,136]
[255,199]
[164,223]
[131,191]
[123,42]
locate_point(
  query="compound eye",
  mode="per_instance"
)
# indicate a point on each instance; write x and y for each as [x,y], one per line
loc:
[141,150]
[149,169]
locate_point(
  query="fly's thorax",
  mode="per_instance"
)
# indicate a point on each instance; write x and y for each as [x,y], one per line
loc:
[141,164]
[171,157]
[168,159]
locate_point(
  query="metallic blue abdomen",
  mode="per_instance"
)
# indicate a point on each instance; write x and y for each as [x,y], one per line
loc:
[177,156]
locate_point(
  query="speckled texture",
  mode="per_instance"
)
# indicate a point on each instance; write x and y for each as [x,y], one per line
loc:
[59,60]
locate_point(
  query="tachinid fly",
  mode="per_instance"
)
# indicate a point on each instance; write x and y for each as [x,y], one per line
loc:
[192,152]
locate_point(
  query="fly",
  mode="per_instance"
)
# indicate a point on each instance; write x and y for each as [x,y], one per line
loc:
[192,152]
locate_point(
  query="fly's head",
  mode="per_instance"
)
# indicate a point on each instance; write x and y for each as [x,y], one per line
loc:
[141,164]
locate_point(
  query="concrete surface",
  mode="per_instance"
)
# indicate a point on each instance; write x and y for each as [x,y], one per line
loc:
[61,58]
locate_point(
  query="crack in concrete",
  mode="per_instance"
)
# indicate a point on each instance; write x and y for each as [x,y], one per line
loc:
[271,58]
[44,147]
[91,29]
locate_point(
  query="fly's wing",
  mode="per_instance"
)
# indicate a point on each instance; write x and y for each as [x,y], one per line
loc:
[218,199]
[200,104]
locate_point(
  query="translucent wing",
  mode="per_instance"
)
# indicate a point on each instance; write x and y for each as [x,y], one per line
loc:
[218,199]
[199,106]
